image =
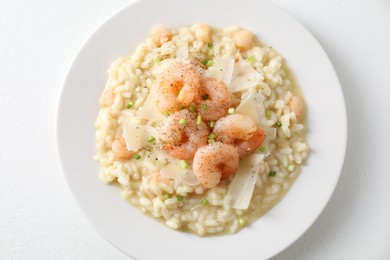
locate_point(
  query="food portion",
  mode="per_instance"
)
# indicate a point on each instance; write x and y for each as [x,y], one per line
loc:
[202,128]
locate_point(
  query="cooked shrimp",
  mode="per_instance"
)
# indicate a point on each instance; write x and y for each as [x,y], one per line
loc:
[160,35]
[177,87]
[181,136]
[244,39]
[213,99]
[107,98]
[120,150]
[202,32]
[241,131]
[297,105]
[214,162]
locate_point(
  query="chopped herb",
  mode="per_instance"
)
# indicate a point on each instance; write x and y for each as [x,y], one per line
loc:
[204,106]
[183,164]
[262,149]
[151,139]
[137,156]
[210,45]
[251,59]
[205,201]
[212,124]
[267,112]
[231,110]
[199,120]
[272,173]
[241,221]
[212,136]
[166,114]
[278,123]
[210,63]
[179,198]
[157,60]
[205,96]
[204,62]
[130,104]
[182,121]
[166,196]
[192,108]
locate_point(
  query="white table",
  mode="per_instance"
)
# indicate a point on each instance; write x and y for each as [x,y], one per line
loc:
[39,218]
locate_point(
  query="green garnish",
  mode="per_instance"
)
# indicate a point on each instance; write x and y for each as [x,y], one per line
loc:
[130,104]
[267,112]
[251,59]
[278,123]
[231,110]
[151,139]
[182,121]
[137,156]
[166,114]
[205,201]
[262,149]
[138,89]
[210,45]
[199,120]
[166,196]
[183,164]
[210,63]
[272,173]
[192,108]
[204,62]
[205,96]
[212,136]
[212,124]
[157,60]
[204,106]
[241,221]
[179,198]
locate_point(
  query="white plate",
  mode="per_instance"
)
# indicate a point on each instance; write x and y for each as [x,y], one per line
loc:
[144,238]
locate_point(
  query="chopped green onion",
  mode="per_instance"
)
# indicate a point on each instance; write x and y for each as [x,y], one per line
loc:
[231,110]
[267,112]
[205,96]
[183,164]
[130,104]
[205,201]
[157,60]
[137,156]
[262,149]
[179,198]
[278,123]
[212,136]
[204,62]
[151,139]
[192,108]
[212,124]
[251,59]
[204,106]
[210,45]
[210,63]
[272,173]
[182,121]
[166,114]
[199,120]
[241,221]
[166,196]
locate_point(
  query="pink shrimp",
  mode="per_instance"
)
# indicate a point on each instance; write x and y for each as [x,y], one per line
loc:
[120,150]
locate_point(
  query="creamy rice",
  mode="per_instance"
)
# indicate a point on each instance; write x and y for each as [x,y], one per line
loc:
[175,203]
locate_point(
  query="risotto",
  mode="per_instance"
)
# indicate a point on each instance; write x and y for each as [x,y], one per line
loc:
[201,128]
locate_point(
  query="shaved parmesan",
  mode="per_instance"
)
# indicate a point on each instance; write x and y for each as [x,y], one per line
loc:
[244,77]
[174,171]
[148,110]
[252,106]
[222,70]
[241,189]
[136,137]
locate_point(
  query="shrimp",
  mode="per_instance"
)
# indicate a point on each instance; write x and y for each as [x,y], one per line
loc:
[244,39]
[214,162]
[160,35]
[297,105]
[181,136]
[177,87]
[107,98]
[202,32]
[213,99]
[241,131]
[120,150]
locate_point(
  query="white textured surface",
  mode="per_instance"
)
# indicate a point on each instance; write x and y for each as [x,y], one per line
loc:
[39,218]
